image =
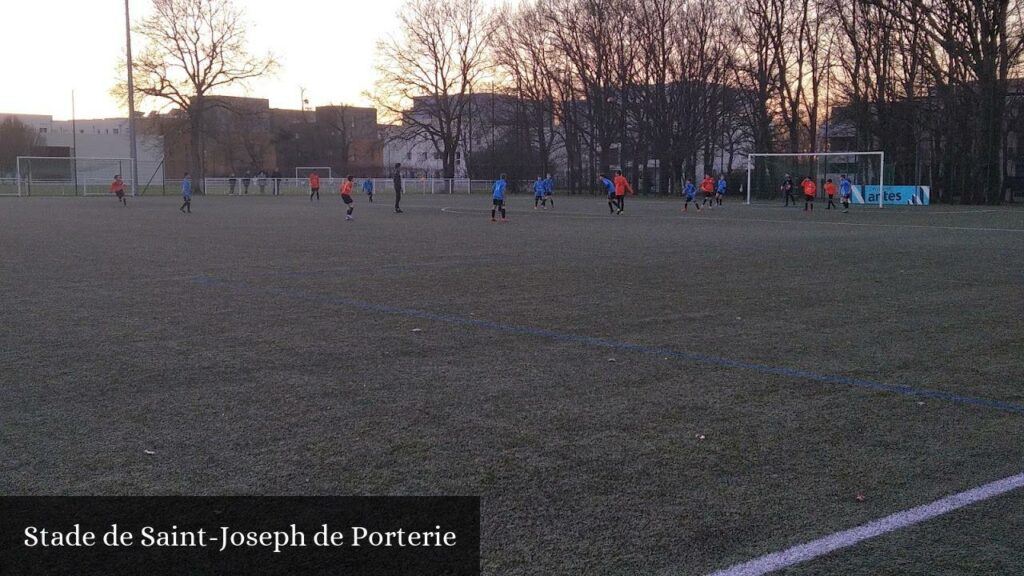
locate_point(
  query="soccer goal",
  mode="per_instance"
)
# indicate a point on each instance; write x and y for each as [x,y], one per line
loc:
[303,172]
[68,176]
[866,171]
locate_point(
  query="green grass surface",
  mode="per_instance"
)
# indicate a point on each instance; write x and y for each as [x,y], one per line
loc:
[247,345]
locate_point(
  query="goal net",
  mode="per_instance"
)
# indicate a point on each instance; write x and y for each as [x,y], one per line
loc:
[866,171]
[65,176]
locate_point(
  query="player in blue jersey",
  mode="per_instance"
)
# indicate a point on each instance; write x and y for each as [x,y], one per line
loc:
[538,192]
[720,189]
[845,192]
[498,199]
[609,187]
[186,193]
[549,189]
[368,188]
[690,191]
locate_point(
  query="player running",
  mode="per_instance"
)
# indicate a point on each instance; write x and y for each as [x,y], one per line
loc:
[810,190]
[314,186]
[117,187]
[845,192]
[621,187]
[538,193]
[787,189]
[830,191]
[186,193]
[498,199]
[346,196]
[707,186]
[720,189]
[690,190]
[549,188]
[609,187]
[368,188]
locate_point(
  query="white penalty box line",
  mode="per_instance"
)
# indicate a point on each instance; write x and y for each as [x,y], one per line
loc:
[822,546]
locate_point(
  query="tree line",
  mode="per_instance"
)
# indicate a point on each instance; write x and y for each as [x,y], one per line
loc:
[678,85]
[686,85]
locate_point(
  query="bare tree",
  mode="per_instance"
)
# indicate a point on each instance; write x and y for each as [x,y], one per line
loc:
[524,58]
[974,47]
[16,139]
[194,48]
[757,65]
[427,73]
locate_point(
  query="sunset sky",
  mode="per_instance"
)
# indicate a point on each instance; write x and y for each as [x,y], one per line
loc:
[52,47]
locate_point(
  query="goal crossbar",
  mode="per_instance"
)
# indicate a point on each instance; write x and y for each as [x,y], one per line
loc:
[330,173]
[879,153]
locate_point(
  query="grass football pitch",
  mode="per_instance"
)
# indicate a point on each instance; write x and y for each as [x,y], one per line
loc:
[652,393]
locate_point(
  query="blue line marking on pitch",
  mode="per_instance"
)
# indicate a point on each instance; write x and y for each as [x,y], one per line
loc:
[618,345]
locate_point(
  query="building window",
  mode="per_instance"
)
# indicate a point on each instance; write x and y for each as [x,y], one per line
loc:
[117,131]
[408,155]
[42,130]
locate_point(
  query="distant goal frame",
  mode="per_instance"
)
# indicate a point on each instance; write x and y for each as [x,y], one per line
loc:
[879,153]
[24,180]
[330,171]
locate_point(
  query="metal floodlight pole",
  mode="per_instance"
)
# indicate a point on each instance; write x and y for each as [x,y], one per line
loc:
[881,181]
[131,102]
[750,166]
[74,145]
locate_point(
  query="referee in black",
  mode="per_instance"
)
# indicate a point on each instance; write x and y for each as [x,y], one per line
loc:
[398,188]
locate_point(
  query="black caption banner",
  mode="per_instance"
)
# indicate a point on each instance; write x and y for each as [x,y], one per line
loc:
[352,536]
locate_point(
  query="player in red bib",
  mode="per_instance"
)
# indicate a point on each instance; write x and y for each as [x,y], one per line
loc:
[707,186]
[314,186]
[830,191]
[810,191]
[346,196]
[117,187]
[621,187]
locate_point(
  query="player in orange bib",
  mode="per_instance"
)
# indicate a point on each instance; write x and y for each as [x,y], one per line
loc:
[117,187]
[346,196]
[621,187]
[707,186]
[314,186]
[830,191]
[810,190]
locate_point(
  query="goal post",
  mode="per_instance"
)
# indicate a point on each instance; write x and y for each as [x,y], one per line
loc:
[865,170]
[81,176]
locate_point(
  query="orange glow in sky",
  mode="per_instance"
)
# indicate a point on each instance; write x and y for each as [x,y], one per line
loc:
[51,47]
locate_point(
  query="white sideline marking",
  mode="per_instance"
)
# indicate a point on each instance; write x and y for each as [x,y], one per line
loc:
[697,218]
[821,546]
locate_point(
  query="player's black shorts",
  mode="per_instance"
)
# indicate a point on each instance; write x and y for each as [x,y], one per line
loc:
[314,190]
[809,198]
[498,203]
[120,194]
[346,198]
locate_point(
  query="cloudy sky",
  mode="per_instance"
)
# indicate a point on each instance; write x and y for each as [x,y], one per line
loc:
[52,47]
